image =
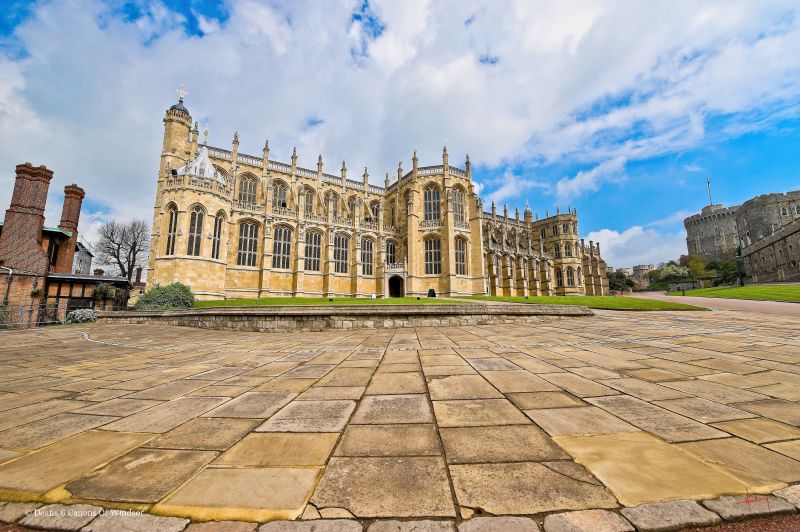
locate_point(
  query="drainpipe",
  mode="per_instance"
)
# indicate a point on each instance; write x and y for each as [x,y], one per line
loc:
[8,283]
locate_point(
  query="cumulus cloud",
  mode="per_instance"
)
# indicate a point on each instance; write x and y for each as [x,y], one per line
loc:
[638,245]
[597,83]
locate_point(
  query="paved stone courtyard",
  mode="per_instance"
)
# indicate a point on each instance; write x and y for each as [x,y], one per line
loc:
[609,414]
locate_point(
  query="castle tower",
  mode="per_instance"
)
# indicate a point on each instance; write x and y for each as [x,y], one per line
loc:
[175,153]
[21,239]
[70,214]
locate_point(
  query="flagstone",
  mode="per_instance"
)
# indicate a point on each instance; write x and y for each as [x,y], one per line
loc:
[787,448]
[577,385]
[759,430]
[389,440]
[49,430]
[311,416]
[253,405]
[513,443]
[777,409]
[704,410]
[524,488]
[167,415]
[461,387]
[532,400]
[645,390]
[656,420]
[586,521]
[280,449]
[43,470]
[204,433]
[347,377]
[142,475]
[396,383]
[170,390]
[518,381]
[581,421]
[639,468]
[477,412]
[386,487]
[383,409]
[761,468]
[118,407]
[715,392]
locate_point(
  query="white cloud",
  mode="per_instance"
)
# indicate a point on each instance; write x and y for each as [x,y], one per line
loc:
[638,245]
[591,180]
[513,187]
[598,83]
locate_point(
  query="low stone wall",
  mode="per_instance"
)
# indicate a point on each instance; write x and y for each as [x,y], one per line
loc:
[320,318]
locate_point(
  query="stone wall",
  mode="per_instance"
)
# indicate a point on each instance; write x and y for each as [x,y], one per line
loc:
[712,232]
[319,318]
[761,216]
[775,258]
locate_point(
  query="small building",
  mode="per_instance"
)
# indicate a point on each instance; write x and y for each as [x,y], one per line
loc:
[36,262]
[82,263]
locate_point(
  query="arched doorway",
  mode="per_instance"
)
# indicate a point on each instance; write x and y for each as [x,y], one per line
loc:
[396,286]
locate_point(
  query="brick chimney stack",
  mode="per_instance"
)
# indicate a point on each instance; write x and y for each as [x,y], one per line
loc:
[21,239]
[70,214]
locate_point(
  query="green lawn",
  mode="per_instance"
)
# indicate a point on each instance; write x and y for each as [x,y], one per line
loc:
[762,292]
[296,301]
[598,302]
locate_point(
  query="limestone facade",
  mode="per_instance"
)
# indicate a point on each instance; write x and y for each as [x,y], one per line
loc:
[232,225]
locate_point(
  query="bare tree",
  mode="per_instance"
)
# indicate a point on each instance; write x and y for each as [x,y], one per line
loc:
[123,245]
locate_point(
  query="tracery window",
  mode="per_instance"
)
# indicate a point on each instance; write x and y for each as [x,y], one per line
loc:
[279,195]
[458,205]
[248,244]
[172,228]
[313,250]
[391,252]
[282,247]
[366,256]
[217,238]
[431,199]
[309,204]
[195,231]
[341,249]
[570,276]
[461,256]
[433,256]
[247,190]
[567,249]
[559,278]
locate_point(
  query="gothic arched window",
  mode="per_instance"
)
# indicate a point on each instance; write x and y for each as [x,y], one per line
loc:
[366,256]
[282,247]
[461,256]
[248,244]
[247,190]
[458,205]
[433,256]
[341,252]
[313,248]
[172,229]
[431,199]
[217,238]
[279,190]
[195,231]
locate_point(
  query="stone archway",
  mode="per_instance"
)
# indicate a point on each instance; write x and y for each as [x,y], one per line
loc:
[396,288]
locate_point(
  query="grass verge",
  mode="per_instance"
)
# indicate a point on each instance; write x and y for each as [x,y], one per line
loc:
[597,302]
[789,293]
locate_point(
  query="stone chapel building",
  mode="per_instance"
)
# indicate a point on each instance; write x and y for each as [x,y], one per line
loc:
[232,225]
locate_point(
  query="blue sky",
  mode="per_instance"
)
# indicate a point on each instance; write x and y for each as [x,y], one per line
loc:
[619,108]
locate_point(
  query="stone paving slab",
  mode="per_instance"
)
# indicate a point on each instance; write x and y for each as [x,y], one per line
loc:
[434,425]
[587,521]
[672,515]
[737,508]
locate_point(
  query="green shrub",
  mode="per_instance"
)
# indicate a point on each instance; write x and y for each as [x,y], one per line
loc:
[103,291]
[175,295]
